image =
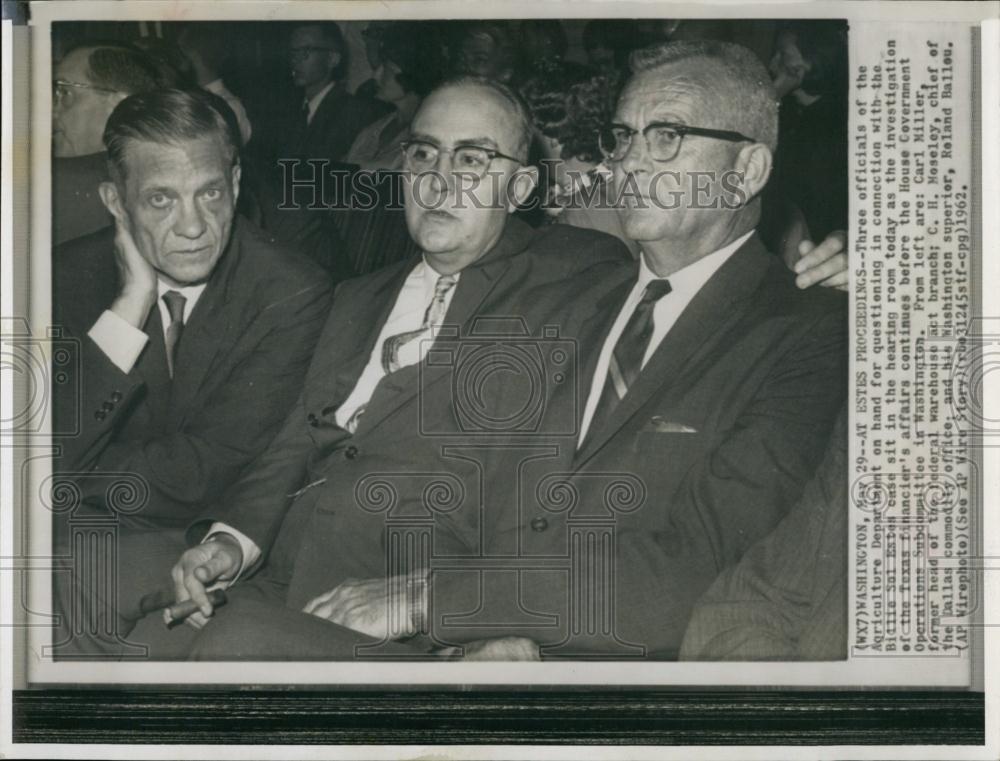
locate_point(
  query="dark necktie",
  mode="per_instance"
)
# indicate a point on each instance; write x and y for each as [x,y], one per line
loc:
[175,306]
[626,359]
[432,318]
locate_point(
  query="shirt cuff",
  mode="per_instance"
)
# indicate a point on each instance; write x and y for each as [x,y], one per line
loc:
[251,552]
[121,343]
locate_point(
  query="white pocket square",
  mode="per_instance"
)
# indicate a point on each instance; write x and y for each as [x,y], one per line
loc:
[658,424]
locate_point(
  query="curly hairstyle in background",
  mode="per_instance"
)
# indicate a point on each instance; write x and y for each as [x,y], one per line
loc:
[569,103]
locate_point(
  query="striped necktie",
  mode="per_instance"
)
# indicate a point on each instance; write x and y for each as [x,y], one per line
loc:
[432,319]
[629,352]
[175,306]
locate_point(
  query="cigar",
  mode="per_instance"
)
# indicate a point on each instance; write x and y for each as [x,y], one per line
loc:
[178,611]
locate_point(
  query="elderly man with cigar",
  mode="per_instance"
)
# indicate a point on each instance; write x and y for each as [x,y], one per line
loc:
[195,330]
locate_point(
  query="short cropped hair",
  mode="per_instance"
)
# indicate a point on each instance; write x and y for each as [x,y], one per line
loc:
[735,80]
[121,68]
[516,104]
[167,117]
[332,34]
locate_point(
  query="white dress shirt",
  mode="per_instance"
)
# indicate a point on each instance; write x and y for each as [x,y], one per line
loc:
[218,87]
[684,285]
[407,314]
[122,343]
[312,104]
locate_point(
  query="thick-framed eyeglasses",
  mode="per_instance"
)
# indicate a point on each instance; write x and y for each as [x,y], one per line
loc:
[474,160]
[663,139]
[305,52]
[64,91]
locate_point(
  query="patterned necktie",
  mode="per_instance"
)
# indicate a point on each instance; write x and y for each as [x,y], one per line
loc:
[175,306]
[432,319]
[629,351]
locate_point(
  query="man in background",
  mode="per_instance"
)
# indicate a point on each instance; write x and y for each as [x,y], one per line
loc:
[87,85]
[320,125]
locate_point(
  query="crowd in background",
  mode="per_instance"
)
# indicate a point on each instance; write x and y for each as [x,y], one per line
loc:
[346,92]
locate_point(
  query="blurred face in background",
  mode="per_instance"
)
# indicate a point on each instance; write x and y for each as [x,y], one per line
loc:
[389,88]
[788,68]
[482,56]
[313,59]
[80,107]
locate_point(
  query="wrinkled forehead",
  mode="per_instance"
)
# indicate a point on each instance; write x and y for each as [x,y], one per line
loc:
[467,113]
[670,92]
[174,163]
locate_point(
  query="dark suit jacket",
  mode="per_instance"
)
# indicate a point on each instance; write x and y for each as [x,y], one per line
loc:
[711,447]
[787,598]
[337,121]
[240,361]
[335,529]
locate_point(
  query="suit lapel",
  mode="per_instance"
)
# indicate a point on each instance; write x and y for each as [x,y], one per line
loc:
[216,321]
[715,307]
[475,284]
[348,356]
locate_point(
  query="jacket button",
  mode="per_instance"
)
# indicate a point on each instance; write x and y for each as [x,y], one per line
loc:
[116,396]
[107,406]
[100,414]
[539,524]
[351,452]
[313,420]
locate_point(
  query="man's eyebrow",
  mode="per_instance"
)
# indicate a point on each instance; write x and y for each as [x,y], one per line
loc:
[485,142]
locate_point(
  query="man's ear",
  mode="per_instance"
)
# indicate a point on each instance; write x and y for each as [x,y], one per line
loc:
[237,173]
[335,58]
[522,184]
[753,166]
[112,200]
[798,73]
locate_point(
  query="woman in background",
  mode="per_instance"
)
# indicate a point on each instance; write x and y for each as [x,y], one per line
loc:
[569,104]
[411,64]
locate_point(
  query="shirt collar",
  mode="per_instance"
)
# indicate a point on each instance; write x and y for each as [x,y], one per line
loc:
[189,292]
[215,86]
[429,276]
[691,278]
[313,103]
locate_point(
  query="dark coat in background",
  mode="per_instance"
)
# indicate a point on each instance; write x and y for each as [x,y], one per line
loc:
[787,598]
[327,138]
